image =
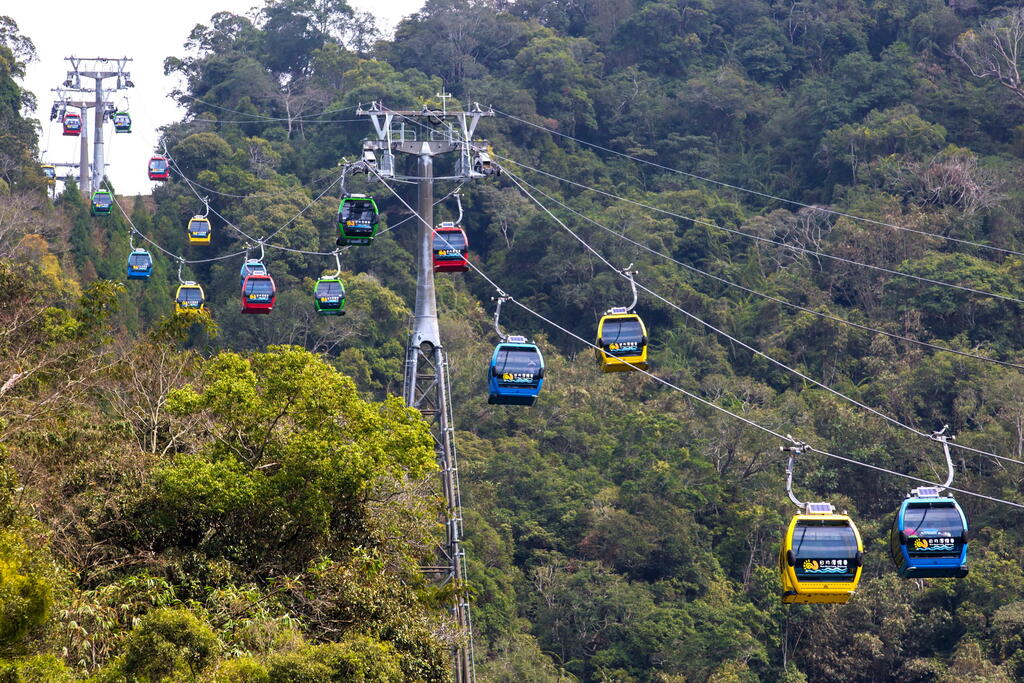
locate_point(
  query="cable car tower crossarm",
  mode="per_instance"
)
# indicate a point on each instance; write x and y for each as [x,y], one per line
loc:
[427,386]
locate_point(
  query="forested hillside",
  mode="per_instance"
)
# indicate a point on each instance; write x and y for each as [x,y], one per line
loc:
[822,203]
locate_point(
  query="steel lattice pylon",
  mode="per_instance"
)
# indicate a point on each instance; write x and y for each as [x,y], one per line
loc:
[427,386]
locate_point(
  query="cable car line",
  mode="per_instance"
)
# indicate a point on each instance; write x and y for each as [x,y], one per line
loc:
[502,292]
[239,230]
[259,117]
[735,340]
[758,238]
[769,297]
[315,181]
[165,251]
[766,195]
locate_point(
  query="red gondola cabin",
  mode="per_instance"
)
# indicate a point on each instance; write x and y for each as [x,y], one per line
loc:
[159,169]
[72,124]
[258,294]
[450,247]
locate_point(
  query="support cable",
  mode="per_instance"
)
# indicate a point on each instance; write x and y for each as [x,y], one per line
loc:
[765,195]
[758,238]
[735,340]
[169,253]
[708,403]
[259,117]
[769,297]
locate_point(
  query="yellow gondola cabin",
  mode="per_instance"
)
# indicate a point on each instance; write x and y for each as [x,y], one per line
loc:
[821,556]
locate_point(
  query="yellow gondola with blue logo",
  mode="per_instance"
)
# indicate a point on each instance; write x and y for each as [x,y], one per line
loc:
[50,171]
[199,231]
[822,555]
[621,342]
[190,297]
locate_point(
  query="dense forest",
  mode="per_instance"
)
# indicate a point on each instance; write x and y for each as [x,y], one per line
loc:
[219,497]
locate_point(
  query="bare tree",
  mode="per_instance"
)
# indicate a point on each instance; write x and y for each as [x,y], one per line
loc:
[994,50]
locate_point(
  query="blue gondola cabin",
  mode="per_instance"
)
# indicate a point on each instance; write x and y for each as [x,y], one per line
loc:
[251,267]
[929,536]
[140,265]
[516,373]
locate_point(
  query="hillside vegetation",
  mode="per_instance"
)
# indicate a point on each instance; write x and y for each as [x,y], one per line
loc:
[222,497]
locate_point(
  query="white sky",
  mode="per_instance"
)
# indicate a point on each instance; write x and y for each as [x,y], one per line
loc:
[147,31]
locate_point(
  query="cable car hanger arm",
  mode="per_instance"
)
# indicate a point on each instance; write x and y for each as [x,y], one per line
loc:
[944,438]
[794,449]
[501,298]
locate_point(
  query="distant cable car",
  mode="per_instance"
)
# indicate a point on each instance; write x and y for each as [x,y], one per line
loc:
[140,265]
[516,372]
[199,230]
[102,203]
[72,124]
[190,297]
[50,171]
[450,247]
[929,536]
[622,338]
[122,122]
[329,296]
[159,168]
[357,220]
[821,556]
[251,267]
[258,294]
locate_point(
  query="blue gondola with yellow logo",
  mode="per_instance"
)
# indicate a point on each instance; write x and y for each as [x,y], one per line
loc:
[140,264]
[516,372]
[929,535]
